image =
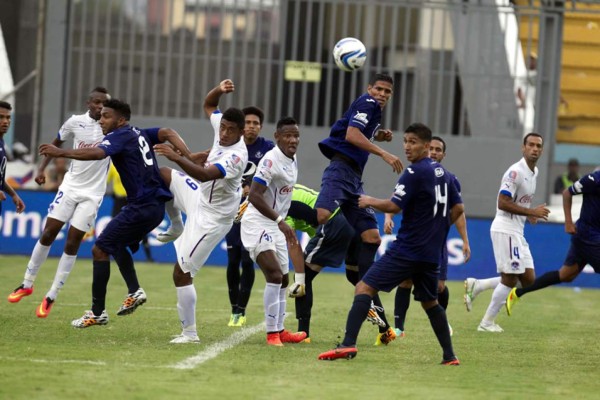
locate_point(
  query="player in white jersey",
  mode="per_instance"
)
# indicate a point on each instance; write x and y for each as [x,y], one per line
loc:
[511,251]
[77,201]
[209,195]
[267,236]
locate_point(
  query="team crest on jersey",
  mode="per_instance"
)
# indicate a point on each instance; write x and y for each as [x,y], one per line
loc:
[512,175]
[514,265]
[258,154]
[399,190]
[361,117]
[439,172]
[267,163]
[235,159]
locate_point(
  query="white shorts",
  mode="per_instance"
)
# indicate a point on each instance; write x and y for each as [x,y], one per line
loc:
[511,252]
[201,232]
[257,239]
[78,208]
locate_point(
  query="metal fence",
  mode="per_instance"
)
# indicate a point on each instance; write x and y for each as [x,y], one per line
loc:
[457,65]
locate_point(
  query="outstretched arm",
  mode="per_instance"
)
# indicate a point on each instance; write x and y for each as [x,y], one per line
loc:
[355,137]
[383,205]
[90,153]
[40,179]
[211,101]
[171,136]
[196,171]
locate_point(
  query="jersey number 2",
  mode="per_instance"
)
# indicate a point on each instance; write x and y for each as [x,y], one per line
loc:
[145,149]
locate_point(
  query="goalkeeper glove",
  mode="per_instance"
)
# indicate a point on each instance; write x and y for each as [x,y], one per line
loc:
[241,212]
[296,290]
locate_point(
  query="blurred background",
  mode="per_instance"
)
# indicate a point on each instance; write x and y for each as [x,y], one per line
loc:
[480,73]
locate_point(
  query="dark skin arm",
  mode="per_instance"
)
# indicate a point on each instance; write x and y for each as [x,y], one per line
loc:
[40,179]
[90,153]
[355,137]
[505,203]
[256,197]
[383,205]
[171,136]
[211,101]
[196,171]
[16,199]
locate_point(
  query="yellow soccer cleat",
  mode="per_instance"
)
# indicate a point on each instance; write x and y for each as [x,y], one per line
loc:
[511,300]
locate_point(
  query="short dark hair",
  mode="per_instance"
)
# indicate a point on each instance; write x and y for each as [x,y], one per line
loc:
[252,110]
[120,107]
[573,161]
[381,77]
[439,139]
[283,121]
[5,104]
[99,89]
[236,116]
[532,134]
[421,130]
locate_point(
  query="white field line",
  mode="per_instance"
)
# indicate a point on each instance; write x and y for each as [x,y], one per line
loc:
[214,350]
[42,361]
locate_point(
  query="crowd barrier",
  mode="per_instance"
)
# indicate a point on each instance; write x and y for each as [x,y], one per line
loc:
[548,241]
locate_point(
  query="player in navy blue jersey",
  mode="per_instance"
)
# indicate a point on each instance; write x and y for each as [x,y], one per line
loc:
[429,201]
[5,118]
[585,239]
[348,147]
[240,285]
[130,150]
[437,152]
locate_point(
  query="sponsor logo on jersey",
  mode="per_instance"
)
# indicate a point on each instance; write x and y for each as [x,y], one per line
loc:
[371,101]
[105,143]
[410,171]
[577,186]
[526,199]
[286,190]
[361,117]
[83,145]
[439,172]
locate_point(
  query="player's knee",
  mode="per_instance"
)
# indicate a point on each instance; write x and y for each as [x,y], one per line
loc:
[363,288]
[181,278]
[371,236]
[568,273]
[406,284]
[98,254]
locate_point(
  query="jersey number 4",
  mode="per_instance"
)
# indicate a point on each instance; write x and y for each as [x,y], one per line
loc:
[441,199]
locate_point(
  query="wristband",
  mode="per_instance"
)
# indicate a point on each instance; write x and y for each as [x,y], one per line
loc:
[279,219]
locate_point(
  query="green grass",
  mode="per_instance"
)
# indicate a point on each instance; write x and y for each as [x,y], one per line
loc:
[548,349]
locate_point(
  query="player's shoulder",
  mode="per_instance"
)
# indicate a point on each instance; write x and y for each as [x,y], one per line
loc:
[365,100]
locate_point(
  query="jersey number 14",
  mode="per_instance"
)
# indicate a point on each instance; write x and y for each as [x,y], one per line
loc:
[441,199]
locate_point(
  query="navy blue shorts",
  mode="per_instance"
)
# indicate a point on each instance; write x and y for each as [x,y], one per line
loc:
[341,186]
[582,253]
[129,227]
[329,246]
[234,237]
[444,264]
[390,270]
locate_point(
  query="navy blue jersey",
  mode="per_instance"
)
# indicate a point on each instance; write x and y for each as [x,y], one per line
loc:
[258,149]
[132,153]
[364,114]
[425,192]
[3,161]
[588,225]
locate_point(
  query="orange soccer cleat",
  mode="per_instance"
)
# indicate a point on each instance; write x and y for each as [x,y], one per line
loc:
[19,293]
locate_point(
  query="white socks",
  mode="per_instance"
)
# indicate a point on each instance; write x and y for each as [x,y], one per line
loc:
[175,216]
[38,256]
[282,307]
[271,300]
[65,265]
[186,307]
[498,299]
[485,284]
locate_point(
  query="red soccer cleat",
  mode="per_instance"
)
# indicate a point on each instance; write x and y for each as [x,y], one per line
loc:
[19,293]
[290,337]
[454,361]
[273,339]
[339,352]
[44,309]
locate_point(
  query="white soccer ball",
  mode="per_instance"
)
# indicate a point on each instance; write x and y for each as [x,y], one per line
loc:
[349,54]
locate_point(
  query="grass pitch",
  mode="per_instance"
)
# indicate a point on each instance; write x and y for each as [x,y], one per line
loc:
[548,350]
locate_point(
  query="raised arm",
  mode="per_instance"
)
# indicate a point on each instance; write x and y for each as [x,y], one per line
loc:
[173,137]
[211,101]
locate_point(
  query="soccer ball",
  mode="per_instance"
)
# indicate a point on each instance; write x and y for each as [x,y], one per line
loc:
[349,54]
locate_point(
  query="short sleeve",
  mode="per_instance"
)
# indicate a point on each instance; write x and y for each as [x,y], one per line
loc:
[363,112]
[230,165]
[265,171]
[66,130]
[510,181]
[112,144]
[152,135]
[588,184]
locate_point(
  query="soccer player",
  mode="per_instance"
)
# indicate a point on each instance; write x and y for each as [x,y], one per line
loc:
[585,239]
[437,152]
[240,285]
[130,149]
[430,202]
[348,147]
[209,195]
[265,233]
[77,201]
[328,246]
[5,119]
[511,251]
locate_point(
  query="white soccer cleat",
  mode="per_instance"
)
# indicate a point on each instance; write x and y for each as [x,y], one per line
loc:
[493,327]
[170,234]
[132,301]
[181,339]
[89,319]
[373,315]
[470,294]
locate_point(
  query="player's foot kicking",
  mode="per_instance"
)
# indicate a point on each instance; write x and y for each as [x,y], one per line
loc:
[511,300]
[132,301]
[19,293]
[470,292]
[373,315]
[44,308]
